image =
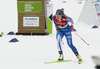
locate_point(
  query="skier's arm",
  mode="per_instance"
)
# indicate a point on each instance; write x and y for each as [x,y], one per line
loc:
[54,20]
[71,21]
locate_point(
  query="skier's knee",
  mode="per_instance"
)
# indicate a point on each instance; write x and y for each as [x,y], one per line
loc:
[70,45]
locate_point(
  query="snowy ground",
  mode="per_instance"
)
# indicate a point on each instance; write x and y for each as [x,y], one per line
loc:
[32,51]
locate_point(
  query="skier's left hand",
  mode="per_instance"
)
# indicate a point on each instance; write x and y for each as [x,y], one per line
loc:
[71,27]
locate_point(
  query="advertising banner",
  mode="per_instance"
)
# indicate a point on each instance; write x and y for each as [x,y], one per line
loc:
[95,0]
[29,7]
[49,17]
[97,9]
[31,21]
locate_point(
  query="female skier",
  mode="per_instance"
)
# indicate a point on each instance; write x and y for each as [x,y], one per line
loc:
[63,29]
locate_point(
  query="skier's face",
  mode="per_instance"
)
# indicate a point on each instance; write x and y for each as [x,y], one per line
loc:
[58,17]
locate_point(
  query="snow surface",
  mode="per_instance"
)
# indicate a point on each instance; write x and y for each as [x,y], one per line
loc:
[32,51]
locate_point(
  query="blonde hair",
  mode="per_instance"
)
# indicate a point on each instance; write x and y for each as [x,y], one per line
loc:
[63,14]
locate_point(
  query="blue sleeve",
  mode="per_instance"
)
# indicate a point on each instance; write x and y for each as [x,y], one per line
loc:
[70,20]
[53,19]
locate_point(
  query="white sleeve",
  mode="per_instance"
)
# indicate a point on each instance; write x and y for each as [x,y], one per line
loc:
[70,20]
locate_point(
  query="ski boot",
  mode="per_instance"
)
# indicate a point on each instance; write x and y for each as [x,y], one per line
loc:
[61,57]
[79,58]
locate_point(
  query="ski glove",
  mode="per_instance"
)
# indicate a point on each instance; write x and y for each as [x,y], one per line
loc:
[71,27]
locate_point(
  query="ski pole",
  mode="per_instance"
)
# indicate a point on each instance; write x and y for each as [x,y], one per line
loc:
[80,37]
